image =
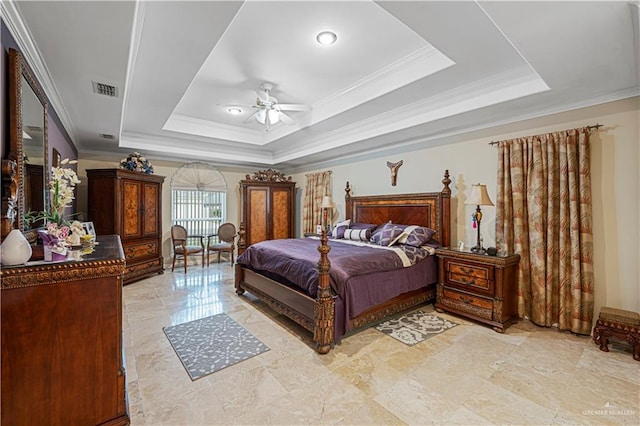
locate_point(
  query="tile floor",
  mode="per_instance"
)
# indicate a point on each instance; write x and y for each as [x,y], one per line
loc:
[469,375]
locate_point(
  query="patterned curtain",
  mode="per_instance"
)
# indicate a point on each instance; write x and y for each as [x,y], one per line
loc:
[318,185]
[544,214]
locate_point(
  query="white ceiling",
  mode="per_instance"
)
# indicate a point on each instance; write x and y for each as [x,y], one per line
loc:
[401,74]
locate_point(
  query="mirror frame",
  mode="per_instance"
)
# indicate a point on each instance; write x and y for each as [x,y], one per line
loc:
[18,69]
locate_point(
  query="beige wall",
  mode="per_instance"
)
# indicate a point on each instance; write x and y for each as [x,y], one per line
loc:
[615,187]
[166,169]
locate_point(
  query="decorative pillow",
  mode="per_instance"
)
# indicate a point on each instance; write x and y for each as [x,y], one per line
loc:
[387,235]
[357,234]
[375,234]
[416,236]
[338,230]
[370,226]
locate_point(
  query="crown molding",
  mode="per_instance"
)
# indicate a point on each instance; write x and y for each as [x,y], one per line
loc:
[134,47]
[495,89]
[501,87]
[418,64]
[33,57]
[209,129]
[425,142]
[209,151]
[511,84]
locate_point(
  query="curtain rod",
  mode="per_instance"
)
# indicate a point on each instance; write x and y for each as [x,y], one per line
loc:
[318,173]
[595,126]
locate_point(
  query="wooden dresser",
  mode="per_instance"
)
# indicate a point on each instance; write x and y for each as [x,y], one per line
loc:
[268,208]
[129,204]
[478,286]
[62,354]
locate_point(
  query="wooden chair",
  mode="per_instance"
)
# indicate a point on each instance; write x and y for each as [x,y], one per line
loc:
[181,250]
[226,241]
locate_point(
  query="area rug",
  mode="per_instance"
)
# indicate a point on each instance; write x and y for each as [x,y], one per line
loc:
[415,327]
[210,344]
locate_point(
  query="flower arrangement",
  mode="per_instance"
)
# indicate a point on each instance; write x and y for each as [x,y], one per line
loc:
[61,232]
[55,240]
[61,188]
[136,162]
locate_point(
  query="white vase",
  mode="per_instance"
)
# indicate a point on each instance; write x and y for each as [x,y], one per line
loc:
[15,249]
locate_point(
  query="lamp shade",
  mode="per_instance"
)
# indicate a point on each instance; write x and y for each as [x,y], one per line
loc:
[479,196]
[261,116]
[327,202]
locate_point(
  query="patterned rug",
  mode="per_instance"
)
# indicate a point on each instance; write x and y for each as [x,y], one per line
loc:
[210,344]
[415,327]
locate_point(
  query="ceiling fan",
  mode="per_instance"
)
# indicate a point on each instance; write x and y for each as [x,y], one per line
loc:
[269,111]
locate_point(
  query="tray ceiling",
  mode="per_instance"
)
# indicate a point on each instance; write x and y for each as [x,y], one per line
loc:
[400,73]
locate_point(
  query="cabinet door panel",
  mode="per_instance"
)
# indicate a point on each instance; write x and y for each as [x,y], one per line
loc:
[61,352]
[131,225]
[150,209]
[258,211]
[281,215]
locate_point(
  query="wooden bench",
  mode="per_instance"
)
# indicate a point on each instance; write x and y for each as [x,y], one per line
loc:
[619,324]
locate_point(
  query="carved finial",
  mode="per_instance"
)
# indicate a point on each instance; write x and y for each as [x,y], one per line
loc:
[347,192]
[446,181]
[394,171]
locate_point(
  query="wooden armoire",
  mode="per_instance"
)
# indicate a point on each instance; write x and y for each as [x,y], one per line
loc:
[129,204]
[268,208]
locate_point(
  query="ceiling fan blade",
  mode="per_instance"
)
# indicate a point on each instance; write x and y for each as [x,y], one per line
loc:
[285,118]
[250,117]
[236,106]
[293,107]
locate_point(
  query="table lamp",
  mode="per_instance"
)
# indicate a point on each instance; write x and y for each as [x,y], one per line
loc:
[479,197]
[327,204]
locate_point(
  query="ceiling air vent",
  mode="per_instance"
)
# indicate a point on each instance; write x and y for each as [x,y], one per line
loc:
[105,89]
[107,136]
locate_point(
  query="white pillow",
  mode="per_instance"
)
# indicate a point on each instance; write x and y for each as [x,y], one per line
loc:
[338,230]
[357,234]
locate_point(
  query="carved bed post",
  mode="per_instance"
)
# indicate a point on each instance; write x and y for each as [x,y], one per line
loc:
[347,202]
[239,276]
[242,244]
[324,309]
[446,210]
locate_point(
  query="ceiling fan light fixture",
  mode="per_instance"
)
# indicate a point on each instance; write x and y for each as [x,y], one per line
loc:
[326,38]
[261,116]
[234,111]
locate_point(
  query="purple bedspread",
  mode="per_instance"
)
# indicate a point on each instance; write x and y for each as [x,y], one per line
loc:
[362,276]
[297,259]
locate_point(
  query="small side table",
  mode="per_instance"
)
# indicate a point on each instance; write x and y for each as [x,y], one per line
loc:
[620,325]
[478,286]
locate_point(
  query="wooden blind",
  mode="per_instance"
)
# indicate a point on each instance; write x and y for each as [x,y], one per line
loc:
[200,212]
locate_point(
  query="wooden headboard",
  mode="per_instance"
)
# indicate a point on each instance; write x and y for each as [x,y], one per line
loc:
[430,209]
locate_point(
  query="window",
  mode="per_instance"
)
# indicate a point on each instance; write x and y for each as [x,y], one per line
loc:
[200,212]
[198,199]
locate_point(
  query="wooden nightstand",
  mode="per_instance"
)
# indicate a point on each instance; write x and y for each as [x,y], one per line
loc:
[478,286]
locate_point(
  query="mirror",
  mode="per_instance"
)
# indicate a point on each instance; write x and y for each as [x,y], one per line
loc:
[28,145]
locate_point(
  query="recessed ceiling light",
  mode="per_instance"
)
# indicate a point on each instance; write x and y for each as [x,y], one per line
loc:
[326,38]
[234,111]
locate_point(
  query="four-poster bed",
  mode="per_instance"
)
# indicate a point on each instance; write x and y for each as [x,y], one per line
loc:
[330,310]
